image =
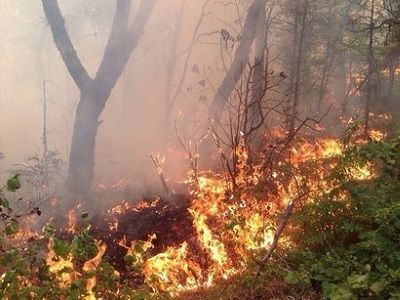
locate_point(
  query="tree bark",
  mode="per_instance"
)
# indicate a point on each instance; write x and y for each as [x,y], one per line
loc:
[370,70]
[171,65]
[94,92]
[82,155]
[240,60]
[258,77]
[299,58]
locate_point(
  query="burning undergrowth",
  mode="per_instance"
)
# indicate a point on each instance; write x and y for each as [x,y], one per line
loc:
[183,242]
[189,241]
[165,223]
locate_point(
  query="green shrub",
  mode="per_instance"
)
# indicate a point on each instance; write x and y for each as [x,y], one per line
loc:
[349,247]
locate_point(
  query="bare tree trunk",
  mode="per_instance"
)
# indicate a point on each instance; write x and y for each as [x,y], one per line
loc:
[45,156]
[342,88]
[293,61]
[329,52]
[258,77]
[370,58]
[327,63]
[240,60]
[171,64]
[82,155]
[341,84]
[299,57]
[392,73]
[188,54]
[95,92]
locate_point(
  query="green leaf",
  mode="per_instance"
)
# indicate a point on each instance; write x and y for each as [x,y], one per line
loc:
[14,183]
[378,286]
[61,248]
[48,230]
[336,292]
[12,227]
[292,278]
[4,202]
[78,284]
[358,281]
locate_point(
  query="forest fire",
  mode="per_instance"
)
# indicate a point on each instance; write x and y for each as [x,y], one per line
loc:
[230,228]
[175,149]
[194,241]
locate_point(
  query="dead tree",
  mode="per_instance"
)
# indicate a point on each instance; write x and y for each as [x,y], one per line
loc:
[328,60]
[94,92]
[45,157]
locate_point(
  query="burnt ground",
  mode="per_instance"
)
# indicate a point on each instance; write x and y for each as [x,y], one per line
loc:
[169,220]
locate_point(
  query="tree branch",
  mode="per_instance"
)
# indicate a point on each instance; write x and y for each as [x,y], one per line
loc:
[279,230]
[122,42]
[64,44]
[240,60]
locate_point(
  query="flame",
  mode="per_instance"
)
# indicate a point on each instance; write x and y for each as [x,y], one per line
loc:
[387,71]
[138,248]
[214,247]
[231,227]
[376,135]
[317,150]
[90,266]
[62,268]
[172,271]
[331,148]
[255,234]
[71,217]
[26,230]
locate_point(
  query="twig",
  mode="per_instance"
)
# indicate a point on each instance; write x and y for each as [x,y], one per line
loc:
[158,164]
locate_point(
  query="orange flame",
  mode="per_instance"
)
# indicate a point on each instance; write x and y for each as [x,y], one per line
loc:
[62,268]
[90,266]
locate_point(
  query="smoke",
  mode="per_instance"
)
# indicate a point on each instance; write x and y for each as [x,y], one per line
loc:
[133,122]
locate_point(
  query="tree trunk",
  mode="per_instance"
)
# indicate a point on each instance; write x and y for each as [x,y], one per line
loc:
[299,57]
[258,77]
[292,61]
[341,84]
[370,70]
[95,92]
[82,155]
[171,66]
[240,60]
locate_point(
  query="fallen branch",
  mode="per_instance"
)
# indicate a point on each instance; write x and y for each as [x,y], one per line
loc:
[278,233]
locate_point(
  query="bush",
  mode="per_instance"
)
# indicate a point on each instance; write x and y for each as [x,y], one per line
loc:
[349,239]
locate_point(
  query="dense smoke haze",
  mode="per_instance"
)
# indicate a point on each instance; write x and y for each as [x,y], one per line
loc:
[133,119]
[176,69]
[199,149]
